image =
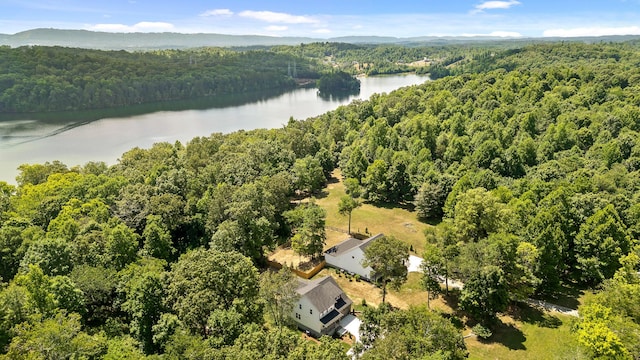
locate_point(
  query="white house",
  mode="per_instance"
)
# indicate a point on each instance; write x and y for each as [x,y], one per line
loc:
[321,306]
[348,256]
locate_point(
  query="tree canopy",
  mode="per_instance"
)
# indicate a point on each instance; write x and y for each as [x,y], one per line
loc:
[388,257]
[527,157]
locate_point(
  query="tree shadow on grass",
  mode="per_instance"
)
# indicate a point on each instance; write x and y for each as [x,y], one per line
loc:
[321,194]
[532,315]
[452,299]
[509,336]
[385,205]
[567,296]
[332,180]
[431,221]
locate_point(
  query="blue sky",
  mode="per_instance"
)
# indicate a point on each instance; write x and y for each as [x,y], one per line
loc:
[330,18]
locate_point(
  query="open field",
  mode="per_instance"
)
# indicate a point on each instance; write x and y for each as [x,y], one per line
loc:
[410,293]
[524,333]
[392,220]
[395,221]
[531,334]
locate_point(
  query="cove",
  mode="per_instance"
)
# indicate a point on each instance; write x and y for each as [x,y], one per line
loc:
[76,138]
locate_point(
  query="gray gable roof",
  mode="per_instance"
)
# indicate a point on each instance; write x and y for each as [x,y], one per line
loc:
[349,244]
[322,292]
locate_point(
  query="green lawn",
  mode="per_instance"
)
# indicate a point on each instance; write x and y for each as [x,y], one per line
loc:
[531,334]
[526,333]
[396,221]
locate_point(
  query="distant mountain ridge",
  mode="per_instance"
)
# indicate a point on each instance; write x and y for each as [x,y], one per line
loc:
[167,40]
[139,41]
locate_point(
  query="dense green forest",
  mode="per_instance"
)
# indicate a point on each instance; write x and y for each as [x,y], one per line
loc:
[55,78]
[45,79]
[338,81]
[527,159]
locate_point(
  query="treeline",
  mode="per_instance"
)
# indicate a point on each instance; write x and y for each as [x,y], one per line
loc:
[158,254]
[55,79]
[338,81]
[534,174]
[372,59]
[44,79]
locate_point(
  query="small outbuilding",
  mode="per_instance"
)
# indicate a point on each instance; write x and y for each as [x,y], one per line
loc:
[348,256]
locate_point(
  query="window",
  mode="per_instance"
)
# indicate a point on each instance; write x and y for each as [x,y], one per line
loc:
[310,311]
[300,305]
[297,316]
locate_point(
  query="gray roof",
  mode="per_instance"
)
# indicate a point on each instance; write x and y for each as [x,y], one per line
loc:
[322,292]
[350,243]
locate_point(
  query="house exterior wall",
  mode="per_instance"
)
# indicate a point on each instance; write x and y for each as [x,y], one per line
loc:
[310,320]
[309,316]
[350,261]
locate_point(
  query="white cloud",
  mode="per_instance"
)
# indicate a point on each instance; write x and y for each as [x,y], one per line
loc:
[144,26]
[592,31]
[322,31]
[109,27]
[503,34]
[217,12]
[148,25]
[275,17]
[277,28]
[489,5]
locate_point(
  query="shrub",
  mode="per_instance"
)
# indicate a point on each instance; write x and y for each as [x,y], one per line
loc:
[481,331]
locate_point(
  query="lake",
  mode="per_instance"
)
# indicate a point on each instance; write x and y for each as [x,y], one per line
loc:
[76,138]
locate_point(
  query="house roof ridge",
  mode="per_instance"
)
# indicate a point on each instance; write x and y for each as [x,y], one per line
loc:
[321,292]
[350,244]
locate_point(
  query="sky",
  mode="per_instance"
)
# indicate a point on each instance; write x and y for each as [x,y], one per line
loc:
[330,18]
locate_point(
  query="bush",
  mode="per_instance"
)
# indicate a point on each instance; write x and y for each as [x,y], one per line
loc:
[481,331]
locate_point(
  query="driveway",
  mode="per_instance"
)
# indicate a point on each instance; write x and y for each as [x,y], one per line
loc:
[414,264]
[352,325]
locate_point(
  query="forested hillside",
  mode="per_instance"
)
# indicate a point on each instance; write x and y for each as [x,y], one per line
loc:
[531,157]
[54,78]
[528,160]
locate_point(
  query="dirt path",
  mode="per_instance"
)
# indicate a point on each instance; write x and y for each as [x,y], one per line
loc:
[552,307]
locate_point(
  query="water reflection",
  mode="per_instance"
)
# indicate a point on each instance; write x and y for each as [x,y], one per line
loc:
[76,138]
[337,95]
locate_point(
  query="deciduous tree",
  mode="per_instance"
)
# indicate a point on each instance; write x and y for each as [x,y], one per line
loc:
[279,296]
[600,243]
[346,206]
[202,281]
[388,257]
[485,294]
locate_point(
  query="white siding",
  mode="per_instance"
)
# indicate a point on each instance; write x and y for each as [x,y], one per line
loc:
[307,319]
[350,261]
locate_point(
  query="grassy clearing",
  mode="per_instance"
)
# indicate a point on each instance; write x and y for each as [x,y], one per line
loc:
[409,294]
[530,334]
[525,333]
[395,221]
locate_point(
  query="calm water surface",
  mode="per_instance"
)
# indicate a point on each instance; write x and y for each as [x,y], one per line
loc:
[77,138]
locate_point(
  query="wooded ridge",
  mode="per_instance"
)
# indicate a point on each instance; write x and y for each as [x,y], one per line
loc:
[527,159]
